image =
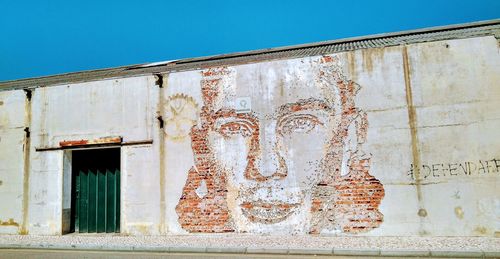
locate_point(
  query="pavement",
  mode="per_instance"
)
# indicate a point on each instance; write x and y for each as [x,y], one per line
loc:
[231,244]
[80,254]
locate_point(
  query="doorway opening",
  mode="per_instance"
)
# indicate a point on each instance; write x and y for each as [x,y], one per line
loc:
[95,192]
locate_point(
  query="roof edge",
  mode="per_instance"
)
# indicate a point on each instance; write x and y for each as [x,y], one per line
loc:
[342,40]
[101,73]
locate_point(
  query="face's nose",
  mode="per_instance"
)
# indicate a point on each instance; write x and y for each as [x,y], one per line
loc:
[265,159]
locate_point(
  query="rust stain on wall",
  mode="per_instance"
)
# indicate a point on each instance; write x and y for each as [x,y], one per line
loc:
[370,57]
[83,142]
[282,88]
[69,143]
[481,230]
[412,117]
[141,228]
[459,212]
[9,223]
[352,65]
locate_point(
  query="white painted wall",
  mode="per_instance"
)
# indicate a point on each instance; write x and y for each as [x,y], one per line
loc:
[455,93]
[12,124]
[75,112]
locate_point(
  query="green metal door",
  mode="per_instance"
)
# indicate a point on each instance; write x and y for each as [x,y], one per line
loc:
[96,197]
[98,201]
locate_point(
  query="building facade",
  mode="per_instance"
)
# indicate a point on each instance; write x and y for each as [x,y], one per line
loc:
[386,135]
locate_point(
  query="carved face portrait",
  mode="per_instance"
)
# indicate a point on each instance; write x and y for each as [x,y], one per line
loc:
[288,165]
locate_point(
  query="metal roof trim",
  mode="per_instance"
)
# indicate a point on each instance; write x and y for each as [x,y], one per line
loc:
[331,46]
[344,40]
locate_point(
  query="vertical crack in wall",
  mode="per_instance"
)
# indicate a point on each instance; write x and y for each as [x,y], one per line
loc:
[26,146]
[412,118]
[161,81]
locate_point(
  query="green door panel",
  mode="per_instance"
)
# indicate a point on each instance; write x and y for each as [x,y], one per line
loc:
[92,212]
[101,201]
[117,201]
[97,194]
[110,204]
[76,201]
[84,195]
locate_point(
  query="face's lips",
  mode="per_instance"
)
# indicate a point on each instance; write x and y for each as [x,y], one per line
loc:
[267,212]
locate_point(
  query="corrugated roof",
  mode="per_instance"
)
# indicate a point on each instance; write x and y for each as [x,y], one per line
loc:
[469,30]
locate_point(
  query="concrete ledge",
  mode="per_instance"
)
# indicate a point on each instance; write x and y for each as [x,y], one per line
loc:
[310,251]
[362,252]
[455,254]
[492,254]
[156,249]
[406,253]
[267,250]
[229,250]
[185,249]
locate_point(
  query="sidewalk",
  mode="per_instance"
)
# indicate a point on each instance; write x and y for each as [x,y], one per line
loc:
[252,244]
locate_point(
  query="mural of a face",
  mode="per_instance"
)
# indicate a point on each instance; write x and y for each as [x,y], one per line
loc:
[293,164]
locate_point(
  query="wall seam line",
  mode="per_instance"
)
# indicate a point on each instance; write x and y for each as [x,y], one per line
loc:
[27,146]
[161,85]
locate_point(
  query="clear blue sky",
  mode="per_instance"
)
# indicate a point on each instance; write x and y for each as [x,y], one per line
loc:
[46,37]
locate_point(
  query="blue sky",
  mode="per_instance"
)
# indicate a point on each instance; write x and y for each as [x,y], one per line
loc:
[45,37]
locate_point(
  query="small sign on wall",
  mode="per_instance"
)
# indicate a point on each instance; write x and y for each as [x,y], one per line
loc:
[243,105]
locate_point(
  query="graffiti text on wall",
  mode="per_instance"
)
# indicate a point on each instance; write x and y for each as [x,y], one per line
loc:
[465,168]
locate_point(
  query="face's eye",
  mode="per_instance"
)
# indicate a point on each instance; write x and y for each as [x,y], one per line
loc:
[237,127]
[300,123]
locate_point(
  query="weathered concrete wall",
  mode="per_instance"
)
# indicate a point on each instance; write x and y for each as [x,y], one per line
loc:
[122,107]
[12,140]
[456,95]
[390,141]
